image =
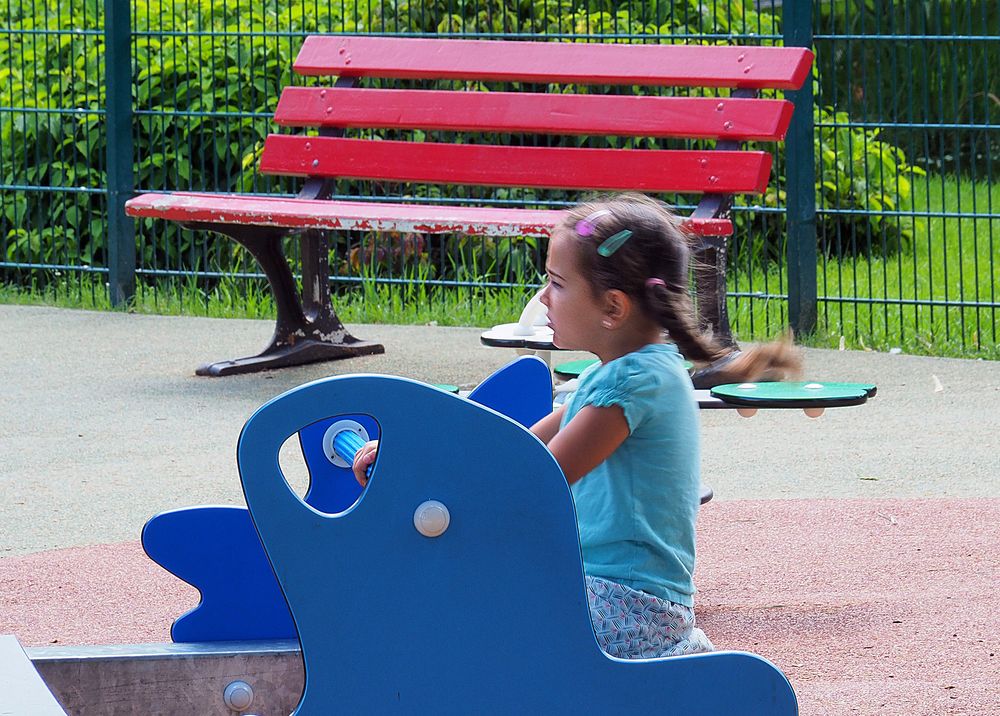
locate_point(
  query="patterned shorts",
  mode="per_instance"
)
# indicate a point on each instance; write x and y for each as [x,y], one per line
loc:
[635,625]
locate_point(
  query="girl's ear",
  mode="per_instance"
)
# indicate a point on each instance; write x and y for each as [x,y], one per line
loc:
[617,307]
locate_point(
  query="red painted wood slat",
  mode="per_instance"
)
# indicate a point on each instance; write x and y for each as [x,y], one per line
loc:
[715,171]
[738,119]
[190,207]
[574,63]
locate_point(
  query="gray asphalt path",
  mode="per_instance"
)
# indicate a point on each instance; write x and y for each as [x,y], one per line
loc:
[103,422]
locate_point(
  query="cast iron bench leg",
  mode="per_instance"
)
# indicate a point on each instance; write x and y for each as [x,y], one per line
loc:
[307,329]
[710,290]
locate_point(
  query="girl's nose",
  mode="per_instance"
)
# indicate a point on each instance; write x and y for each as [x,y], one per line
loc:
[543,296]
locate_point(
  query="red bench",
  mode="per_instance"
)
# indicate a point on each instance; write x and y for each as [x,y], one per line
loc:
[308,328]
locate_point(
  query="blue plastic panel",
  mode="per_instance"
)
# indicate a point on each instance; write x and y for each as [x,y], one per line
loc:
[490,617]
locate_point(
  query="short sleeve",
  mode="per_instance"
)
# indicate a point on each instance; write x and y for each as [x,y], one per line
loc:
[626,384]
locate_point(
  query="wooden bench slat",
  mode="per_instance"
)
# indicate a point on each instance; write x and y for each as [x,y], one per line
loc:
[191,207]
[647,170]
[556,62]
[694,117]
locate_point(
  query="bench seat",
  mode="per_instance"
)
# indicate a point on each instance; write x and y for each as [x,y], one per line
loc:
[205,208]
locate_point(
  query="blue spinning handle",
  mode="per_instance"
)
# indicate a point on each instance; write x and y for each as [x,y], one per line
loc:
[346,443]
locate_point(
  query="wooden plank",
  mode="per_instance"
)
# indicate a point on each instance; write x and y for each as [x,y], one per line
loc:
[724,172]
[187,207]
[701,117]
[560,62]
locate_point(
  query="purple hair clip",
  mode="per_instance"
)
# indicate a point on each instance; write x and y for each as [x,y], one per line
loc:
[587,227]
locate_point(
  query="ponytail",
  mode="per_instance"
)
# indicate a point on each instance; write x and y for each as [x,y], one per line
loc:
[672,308]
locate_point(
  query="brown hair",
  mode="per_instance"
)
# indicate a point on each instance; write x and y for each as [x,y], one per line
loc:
[660,248]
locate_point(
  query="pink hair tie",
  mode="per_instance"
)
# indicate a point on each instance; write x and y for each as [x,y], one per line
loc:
[652,283]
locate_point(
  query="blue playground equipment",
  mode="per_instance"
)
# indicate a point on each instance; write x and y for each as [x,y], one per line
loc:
[216,549]
[452,584]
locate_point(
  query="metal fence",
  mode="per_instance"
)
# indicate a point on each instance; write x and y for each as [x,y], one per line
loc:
[881,223]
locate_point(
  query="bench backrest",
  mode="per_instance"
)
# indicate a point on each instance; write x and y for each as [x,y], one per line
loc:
[345,106]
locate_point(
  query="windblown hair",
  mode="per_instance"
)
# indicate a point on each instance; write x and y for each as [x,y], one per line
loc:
[660,248]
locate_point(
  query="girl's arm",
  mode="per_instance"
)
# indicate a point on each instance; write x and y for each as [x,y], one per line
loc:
[587,440]
[546,428]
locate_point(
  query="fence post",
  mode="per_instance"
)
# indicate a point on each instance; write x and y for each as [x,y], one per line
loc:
[118,121]
[800,174]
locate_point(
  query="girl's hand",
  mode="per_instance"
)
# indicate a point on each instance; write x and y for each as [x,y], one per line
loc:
[363,460]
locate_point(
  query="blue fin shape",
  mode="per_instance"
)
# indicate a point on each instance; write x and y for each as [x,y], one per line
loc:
[521,390]
[489,617]
[217,551]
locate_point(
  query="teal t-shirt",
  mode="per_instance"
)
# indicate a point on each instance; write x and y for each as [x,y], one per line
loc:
[637,509]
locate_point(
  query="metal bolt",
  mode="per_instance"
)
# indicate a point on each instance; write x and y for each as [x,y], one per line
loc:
[727,125]
[238,696]
[713,179]
[315,162]
[719,106]
[431,518]
[741,57]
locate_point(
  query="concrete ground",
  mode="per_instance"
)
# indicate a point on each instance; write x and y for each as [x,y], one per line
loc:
[103,422]
[856,551]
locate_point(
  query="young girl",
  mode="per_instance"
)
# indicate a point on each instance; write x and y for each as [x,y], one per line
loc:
[627,440]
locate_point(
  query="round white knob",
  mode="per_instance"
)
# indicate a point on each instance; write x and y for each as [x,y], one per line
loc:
[238,696]
[431,518]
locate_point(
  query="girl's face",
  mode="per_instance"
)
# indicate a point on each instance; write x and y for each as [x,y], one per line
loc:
[575,314]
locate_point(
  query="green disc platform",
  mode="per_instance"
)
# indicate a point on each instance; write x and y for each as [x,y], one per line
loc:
[811,394]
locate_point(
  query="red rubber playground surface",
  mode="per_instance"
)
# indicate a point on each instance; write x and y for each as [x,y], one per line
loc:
[868,606]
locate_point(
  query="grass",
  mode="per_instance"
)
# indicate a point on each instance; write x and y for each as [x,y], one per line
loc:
[955,257]
[410,304]
[950,259]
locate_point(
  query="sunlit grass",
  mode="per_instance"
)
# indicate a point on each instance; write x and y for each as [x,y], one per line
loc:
[367,302]
[952,259]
